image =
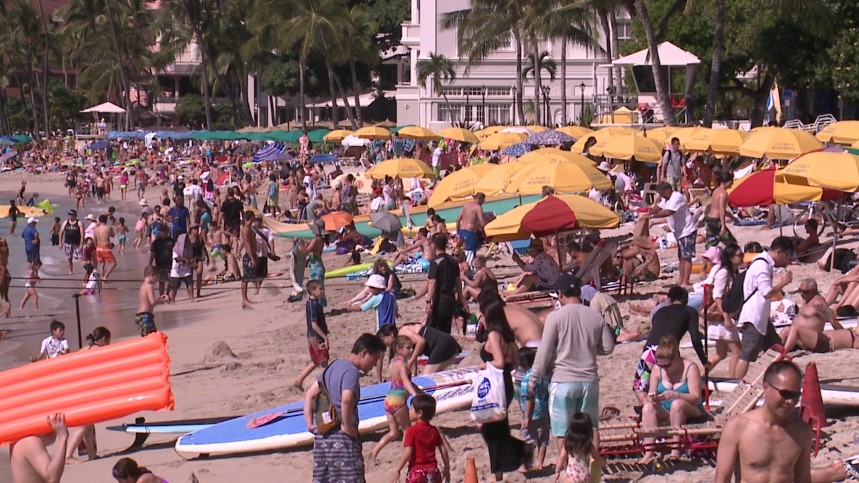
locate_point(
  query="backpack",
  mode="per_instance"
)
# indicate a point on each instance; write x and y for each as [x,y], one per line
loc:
[734,298]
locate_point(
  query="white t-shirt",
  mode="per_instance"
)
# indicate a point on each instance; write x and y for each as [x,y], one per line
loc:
[90,230]
[436,154]
[52,348]
[681,222]
[377,204]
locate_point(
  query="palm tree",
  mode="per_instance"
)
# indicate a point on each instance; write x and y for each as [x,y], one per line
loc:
[571,22]
[653,49]
[301,26]
[22,34]
[536,66]
[360,47]
[438,67]
[490,25]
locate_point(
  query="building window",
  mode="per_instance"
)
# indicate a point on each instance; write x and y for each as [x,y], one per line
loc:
[498,114]
[451,113]
[451,91]
[624,31]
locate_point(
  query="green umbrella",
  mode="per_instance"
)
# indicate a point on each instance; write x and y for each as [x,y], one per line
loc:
[22,138]
[397,128]
[317,135]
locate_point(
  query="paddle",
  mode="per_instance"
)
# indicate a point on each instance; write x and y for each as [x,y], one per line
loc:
[277,415]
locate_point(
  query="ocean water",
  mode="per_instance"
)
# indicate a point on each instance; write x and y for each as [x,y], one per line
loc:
[114,308]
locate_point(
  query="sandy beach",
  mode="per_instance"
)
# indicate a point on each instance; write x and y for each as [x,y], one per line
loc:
[228,361]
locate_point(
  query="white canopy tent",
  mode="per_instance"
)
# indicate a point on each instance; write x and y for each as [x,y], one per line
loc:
[106,107]
[670,56]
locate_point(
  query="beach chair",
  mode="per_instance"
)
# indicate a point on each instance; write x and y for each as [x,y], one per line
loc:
[590,271]
[628,438]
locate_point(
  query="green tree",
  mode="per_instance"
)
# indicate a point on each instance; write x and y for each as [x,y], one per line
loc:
[437,68]
[360,47]
[21,39]
[191,110]
[389,16]
[536,66]
[662,93]
[571,23]
[844,71]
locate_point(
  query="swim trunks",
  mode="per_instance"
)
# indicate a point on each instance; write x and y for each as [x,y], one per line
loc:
[714,232]
[104,254]
[472,240]
[72,251]
[318,355]
[146,322]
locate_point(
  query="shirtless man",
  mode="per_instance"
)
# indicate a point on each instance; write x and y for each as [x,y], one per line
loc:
[31,462]
[804,246]
[812,316]
[420,246]
[145,316]
[717,225]
[769,443]
[526,326]
[103,252]
[469,226]
[140,180]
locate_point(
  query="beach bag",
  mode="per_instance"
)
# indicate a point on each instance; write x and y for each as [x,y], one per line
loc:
[324,411]
[488,403]
[734,298]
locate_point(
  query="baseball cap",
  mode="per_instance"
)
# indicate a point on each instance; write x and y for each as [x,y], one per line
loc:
[73,213]
[32,219]
[567,282]
[376,281]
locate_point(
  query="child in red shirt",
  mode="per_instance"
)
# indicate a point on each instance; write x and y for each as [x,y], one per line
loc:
[420,443]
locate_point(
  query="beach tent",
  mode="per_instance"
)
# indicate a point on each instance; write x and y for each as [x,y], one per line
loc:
[106,107]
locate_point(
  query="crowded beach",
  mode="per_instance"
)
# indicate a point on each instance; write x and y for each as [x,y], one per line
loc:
[615,283]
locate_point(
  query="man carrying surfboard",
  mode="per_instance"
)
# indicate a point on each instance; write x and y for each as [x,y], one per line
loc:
[337,455]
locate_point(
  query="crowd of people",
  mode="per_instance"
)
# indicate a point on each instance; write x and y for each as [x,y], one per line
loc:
[211,209]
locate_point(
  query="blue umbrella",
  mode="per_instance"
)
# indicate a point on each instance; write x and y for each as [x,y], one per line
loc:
[517,150]
[99,145]
[323,158]
[549,138]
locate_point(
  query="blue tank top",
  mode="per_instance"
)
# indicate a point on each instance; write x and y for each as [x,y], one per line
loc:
[682,389]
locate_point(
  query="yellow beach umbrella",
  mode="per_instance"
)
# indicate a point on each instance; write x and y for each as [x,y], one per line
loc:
[841,132]
[501,140]
[576,132]
[659,134]
[459,134]
[402,167]
[838,171]
[779,143]
[685,133]
[497,180]
[459,184]
[600,136]
[337,135]
[487,131]
[554,154]
[718,141]
[372,132]
[417,132]
[630,147]
[565,177]
[589,214]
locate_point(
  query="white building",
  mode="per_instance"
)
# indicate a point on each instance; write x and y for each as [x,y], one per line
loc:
[486,95]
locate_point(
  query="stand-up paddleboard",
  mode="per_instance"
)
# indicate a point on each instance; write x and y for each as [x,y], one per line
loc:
[451,389]
[178,427]
[833,394]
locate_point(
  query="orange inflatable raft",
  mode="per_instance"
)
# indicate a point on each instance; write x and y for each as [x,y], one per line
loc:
[89,386]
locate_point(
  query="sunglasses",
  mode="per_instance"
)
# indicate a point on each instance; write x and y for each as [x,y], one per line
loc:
[786,394]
